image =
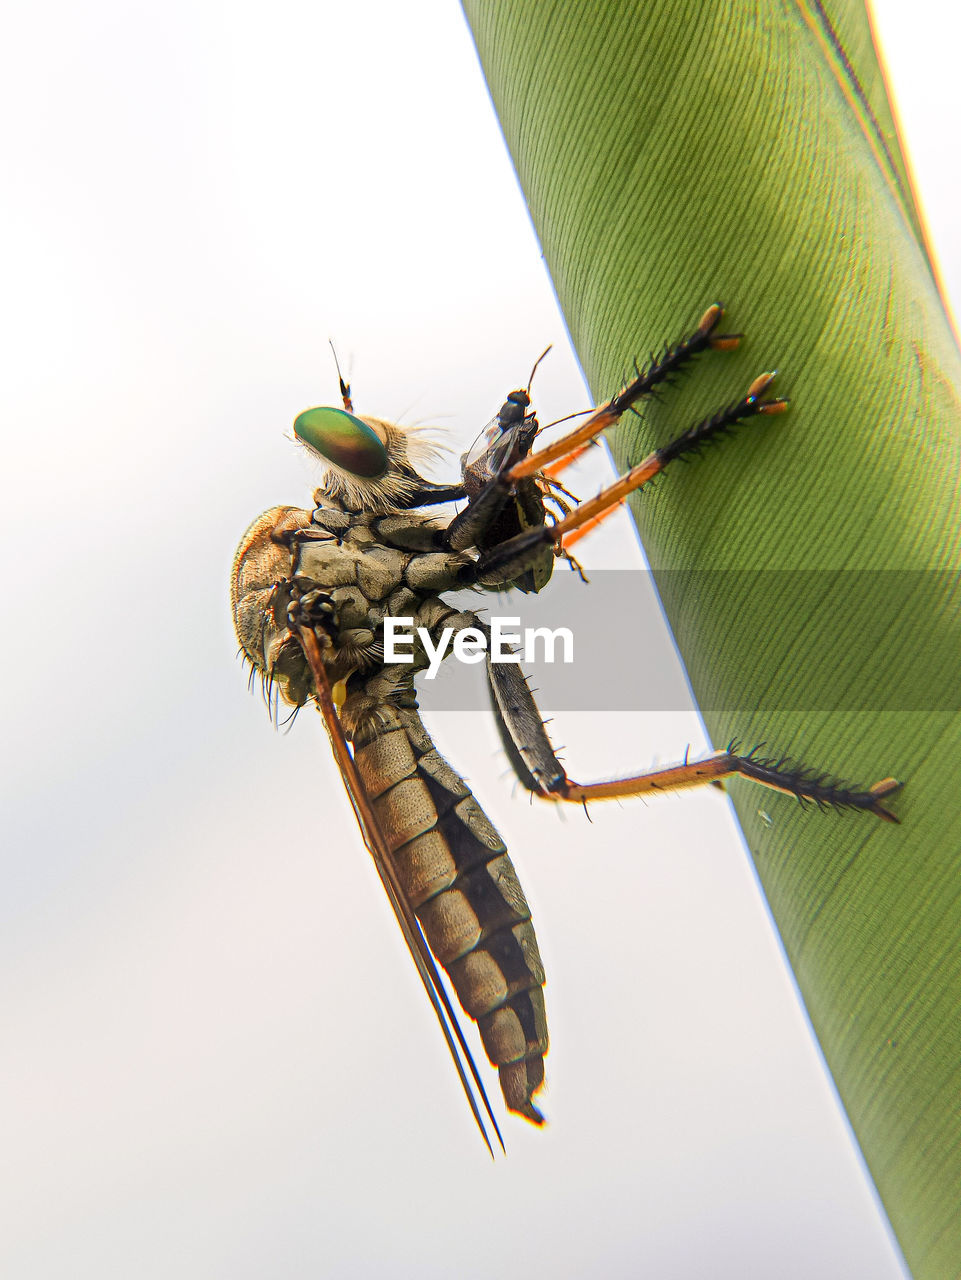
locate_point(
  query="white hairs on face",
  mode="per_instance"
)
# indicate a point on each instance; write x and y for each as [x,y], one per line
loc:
[407,447]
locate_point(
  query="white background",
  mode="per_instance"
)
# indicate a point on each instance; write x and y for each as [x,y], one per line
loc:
[215,1057]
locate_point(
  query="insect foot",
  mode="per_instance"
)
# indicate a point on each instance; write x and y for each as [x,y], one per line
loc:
[306,604]
[810,786]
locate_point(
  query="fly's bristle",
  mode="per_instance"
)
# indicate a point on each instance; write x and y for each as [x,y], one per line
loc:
[812,787]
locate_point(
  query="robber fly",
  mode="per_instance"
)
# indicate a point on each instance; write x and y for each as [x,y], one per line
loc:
[310,592]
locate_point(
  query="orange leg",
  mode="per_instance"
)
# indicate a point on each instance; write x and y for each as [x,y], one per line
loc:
[536,764]
[568,540]
[799,782]
[702,339]
[594,508]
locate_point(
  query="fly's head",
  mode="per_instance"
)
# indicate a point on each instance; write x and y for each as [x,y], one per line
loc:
[370,464]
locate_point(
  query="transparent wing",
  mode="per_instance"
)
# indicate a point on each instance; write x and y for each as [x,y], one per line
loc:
[376,842]
[491,447]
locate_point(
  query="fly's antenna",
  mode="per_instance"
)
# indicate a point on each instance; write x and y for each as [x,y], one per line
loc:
[345,386]
[581,413]
[536,363]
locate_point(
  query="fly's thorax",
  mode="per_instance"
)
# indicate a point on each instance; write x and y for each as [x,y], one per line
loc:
[404,530]
[367,566]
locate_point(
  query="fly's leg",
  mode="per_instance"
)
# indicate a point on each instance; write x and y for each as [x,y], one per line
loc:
[504,563]
[305,604]
[688,443]
[536,764]
[304,607]
[469,527]
[660,370]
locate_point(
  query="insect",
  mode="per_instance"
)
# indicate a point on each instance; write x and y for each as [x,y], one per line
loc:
[310,593]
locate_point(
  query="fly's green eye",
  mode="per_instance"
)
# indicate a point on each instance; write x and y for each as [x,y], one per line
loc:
[342,439]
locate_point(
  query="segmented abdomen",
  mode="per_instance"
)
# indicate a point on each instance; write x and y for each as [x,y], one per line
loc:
[459,880]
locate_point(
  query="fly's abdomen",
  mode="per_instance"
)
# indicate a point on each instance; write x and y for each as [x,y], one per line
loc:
[459,880]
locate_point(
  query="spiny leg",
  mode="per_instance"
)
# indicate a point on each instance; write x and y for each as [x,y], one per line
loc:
[690,442]
[536,764]
[806,785]
[551,472]
[503,563]
[660,370]
[571,538]
[644,383]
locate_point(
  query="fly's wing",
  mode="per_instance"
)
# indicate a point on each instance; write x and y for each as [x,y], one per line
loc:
[499,445]
[383,860]
[484,458]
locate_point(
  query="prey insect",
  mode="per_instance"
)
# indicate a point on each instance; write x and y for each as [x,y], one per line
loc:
[310,592]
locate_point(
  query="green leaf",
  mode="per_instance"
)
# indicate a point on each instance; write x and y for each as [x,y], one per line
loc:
[672,154]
